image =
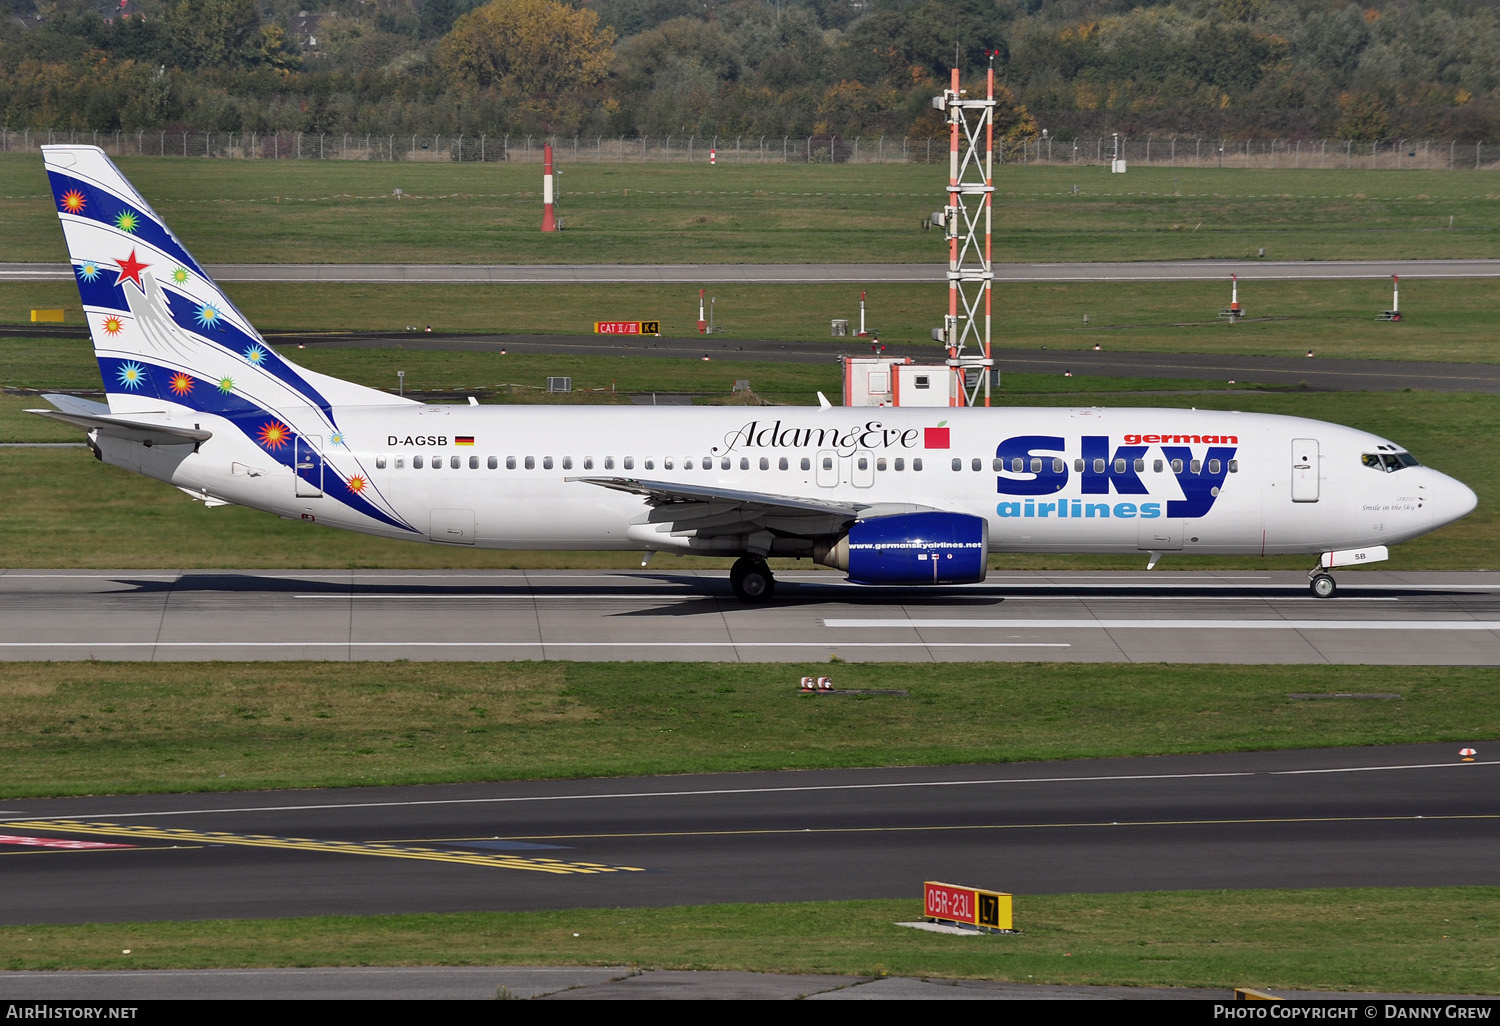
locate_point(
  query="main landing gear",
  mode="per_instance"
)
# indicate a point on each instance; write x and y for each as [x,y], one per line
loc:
[1321,583]
[751,579]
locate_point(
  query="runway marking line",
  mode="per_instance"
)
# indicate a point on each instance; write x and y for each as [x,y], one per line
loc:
[395,851]
[1466,767]
[1222,625]
[1254,821]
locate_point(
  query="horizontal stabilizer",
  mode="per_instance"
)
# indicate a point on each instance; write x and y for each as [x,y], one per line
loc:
[92,416]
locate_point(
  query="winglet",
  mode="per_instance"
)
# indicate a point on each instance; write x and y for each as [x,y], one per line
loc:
[823,402]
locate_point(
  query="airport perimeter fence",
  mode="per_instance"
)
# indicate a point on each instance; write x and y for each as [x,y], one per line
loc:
[1152,151]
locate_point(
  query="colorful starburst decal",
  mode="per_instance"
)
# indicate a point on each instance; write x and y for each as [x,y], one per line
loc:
[182,383]
[255,355]
[131,375]
[112,326]
[73,201]
[127,220]
[88,270]
[357,484]
[273,434]
[208,316]
[226,385]
[180,275]
[337,438]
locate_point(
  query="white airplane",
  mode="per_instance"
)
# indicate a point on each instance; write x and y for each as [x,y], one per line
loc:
[891,496]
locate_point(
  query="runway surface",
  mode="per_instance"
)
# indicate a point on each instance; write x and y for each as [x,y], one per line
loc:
[1401,816]
[708,274]
[1379,617]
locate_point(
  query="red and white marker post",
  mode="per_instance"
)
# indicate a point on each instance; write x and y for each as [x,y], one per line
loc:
[549,219]
[702,323]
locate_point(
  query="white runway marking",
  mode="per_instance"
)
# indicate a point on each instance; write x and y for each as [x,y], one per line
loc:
[100,645]
[727,791]
[1220,625]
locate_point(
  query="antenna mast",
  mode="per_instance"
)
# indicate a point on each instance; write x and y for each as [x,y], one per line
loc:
[967,224]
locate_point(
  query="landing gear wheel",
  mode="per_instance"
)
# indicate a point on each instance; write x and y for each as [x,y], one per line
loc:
[1322,585]
[751,579]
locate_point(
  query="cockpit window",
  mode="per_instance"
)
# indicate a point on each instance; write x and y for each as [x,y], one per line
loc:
[1389,462]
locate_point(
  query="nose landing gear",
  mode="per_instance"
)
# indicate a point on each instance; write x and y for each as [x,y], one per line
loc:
[1321,583]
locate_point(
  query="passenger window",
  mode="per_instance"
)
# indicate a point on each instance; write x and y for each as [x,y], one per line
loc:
[546,462]
[806,463]
[1196,467]
[827,462]
[687,463]
[588,463]
[609,463]
[510,463]
[1017,464]
[567,463]
[724,463]
[493,463]
[416,462]
[1176,466]
[1213,466]
[1098,466]
[879,464]
[1057,465]
[400,462]
[1119,466]
[708,463]
[916,463]
[379,462]
[975,464]
[650,464]
[455,462]
[531,463]
[782,464]
[744,463]
[1156,466]
[765,463]
[1234,466]
[958,464]
[900,463]
[473,462]
[629,462]
[1078,467]
[1036,465]
[1140,465]
[997,465]
[666,464]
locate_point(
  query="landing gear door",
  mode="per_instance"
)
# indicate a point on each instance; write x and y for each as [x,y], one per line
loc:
[1305,469]
[309,467]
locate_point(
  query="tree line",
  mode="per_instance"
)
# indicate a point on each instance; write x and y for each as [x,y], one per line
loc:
[1233,68]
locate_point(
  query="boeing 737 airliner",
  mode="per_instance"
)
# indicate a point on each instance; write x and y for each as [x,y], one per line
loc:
[890,496]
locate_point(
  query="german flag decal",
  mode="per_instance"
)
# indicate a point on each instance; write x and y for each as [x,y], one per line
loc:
[463,440]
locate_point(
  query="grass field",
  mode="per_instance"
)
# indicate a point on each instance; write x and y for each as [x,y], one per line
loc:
[342,212]
[1436,941]
[90,727]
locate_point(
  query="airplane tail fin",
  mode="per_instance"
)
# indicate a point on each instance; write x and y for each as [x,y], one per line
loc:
[163,331]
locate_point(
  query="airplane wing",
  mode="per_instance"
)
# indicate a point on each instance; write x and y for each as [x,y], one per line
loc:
[707,510]
[92,416]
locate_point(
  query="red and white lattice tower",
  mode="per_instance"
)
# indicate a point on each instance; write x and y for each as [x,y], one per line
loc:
[967,220]
[549,219]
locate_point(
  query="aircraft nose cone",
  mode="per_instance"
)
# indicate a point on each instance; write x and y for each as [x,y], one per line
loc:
[1453,500]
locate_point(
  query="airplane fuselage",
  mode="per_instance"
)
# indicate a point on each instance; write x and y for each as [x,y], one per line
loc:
[1046,480]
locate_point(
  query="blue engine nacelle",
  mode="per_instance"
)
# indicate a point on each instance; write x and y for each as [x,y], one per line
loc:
[911,548]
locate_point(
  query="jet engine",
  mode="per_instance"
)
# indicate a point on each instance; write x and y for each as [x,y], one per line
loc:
[911,548]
